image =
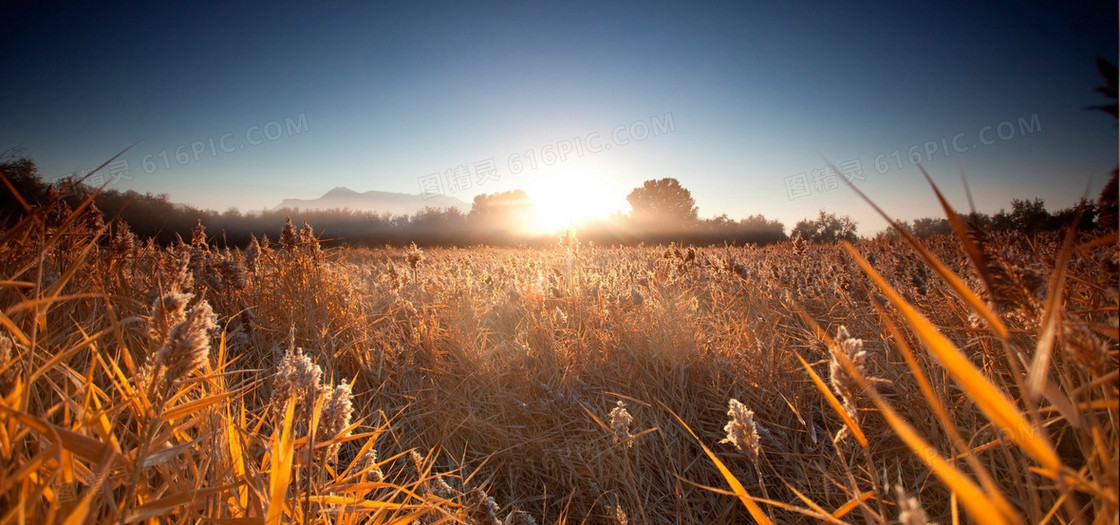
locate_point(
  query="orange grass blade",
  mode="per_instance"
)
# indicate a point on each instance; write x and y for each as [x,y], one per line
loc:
[28,468]
[851,505]
[47,301]
[958,285]
[987,396]
[104,426]
[835,403]
[135,397]
[167,504]
[81,511]
[62,355]
[281,457]
[953,477]
[79,444]
[6,322]
[237,458]
[741,492]
[196,405]
[1051,316]
[939,409]
[975,254]
[817,512]
[975,499]
[15,193]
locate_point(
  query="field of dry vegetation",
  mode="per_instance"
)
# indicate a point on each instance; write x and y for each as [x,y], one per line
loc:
[286,383]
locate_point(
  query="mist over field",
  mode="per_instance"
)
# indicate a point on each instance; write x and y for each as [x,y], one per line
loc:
[625,263]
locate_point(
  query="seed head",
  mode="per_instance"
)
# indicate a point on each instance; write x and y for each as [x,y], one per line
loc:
[289,239]
[93,220]
[297,377]
[198,235]
[123,241]
[9,375]
[620,516]
[233,274]
[252,254]
[844,384]
[910,510]
[368,464]
[188,345]
[742,431]
[636,297]
[518,517]
[336,417]
[168,310]
[415,255]
[1086,349]
[481,508]
[308,240]
[620,420]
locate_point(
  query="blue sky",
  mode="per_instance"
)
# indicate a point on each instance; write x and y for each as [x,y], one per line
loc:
[238,106]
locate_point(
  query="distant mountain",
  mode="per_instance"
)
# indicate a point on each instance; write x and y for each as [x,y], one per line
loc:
[374,201]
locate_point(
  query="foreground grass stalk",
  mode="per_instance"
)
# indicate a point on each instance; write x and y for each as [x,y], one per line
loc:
[853,383]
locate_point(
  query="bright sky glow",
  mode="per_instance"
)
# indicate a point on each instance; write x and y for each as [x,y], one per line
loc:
[238,105]
[571,199]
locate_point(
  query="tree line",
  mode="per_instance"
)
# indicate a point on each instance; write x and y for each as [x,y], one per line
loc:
[663,211]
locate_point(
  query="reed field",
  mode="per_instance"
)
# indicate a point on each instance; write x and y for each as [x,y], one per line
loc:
[969,378]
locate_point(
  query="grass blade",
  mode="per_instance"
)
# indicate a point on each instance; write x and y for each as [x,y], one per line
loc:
[953,280]
[281,457]
[987,396]
[1051,316]
[740,491]
[836,405]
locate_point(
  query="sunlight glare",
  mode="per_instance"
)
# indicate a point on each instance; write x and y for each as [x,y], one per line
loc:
[570,199]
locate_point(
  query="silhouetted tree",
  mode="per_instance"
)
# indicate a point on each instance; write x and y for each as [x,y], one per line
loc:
[980,221]
[506,205]
[762,228]
[754,229]
[663,203]
[1029,215]
[927,226]
[1108,71]
[1062,219]
[1107,201]
[891,232]
[501,216]
[23,175]
[1107,204]
[827,227]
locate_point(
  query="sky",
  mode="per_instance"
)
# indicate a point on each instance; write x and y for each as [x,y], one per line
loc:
[746,104]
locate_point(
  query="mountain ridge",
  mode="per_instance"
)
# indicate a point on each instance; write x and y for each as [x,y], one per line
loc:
[394,203]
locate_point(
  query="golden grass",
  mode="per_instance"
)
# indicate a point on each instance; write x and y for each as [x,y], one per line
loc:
[477,385]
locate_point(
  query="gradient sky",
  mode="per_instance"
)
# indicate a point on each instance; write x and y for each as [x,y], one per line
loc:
[380,96]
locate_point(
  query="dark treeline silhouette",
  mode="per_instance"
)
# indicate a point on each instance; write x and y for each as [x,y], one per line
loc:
[827,227]
[494,219]
[663,212]
[1026,215]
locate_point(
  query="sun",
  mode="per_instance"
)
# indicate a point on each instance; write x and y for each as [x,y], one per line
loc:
[569,199]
